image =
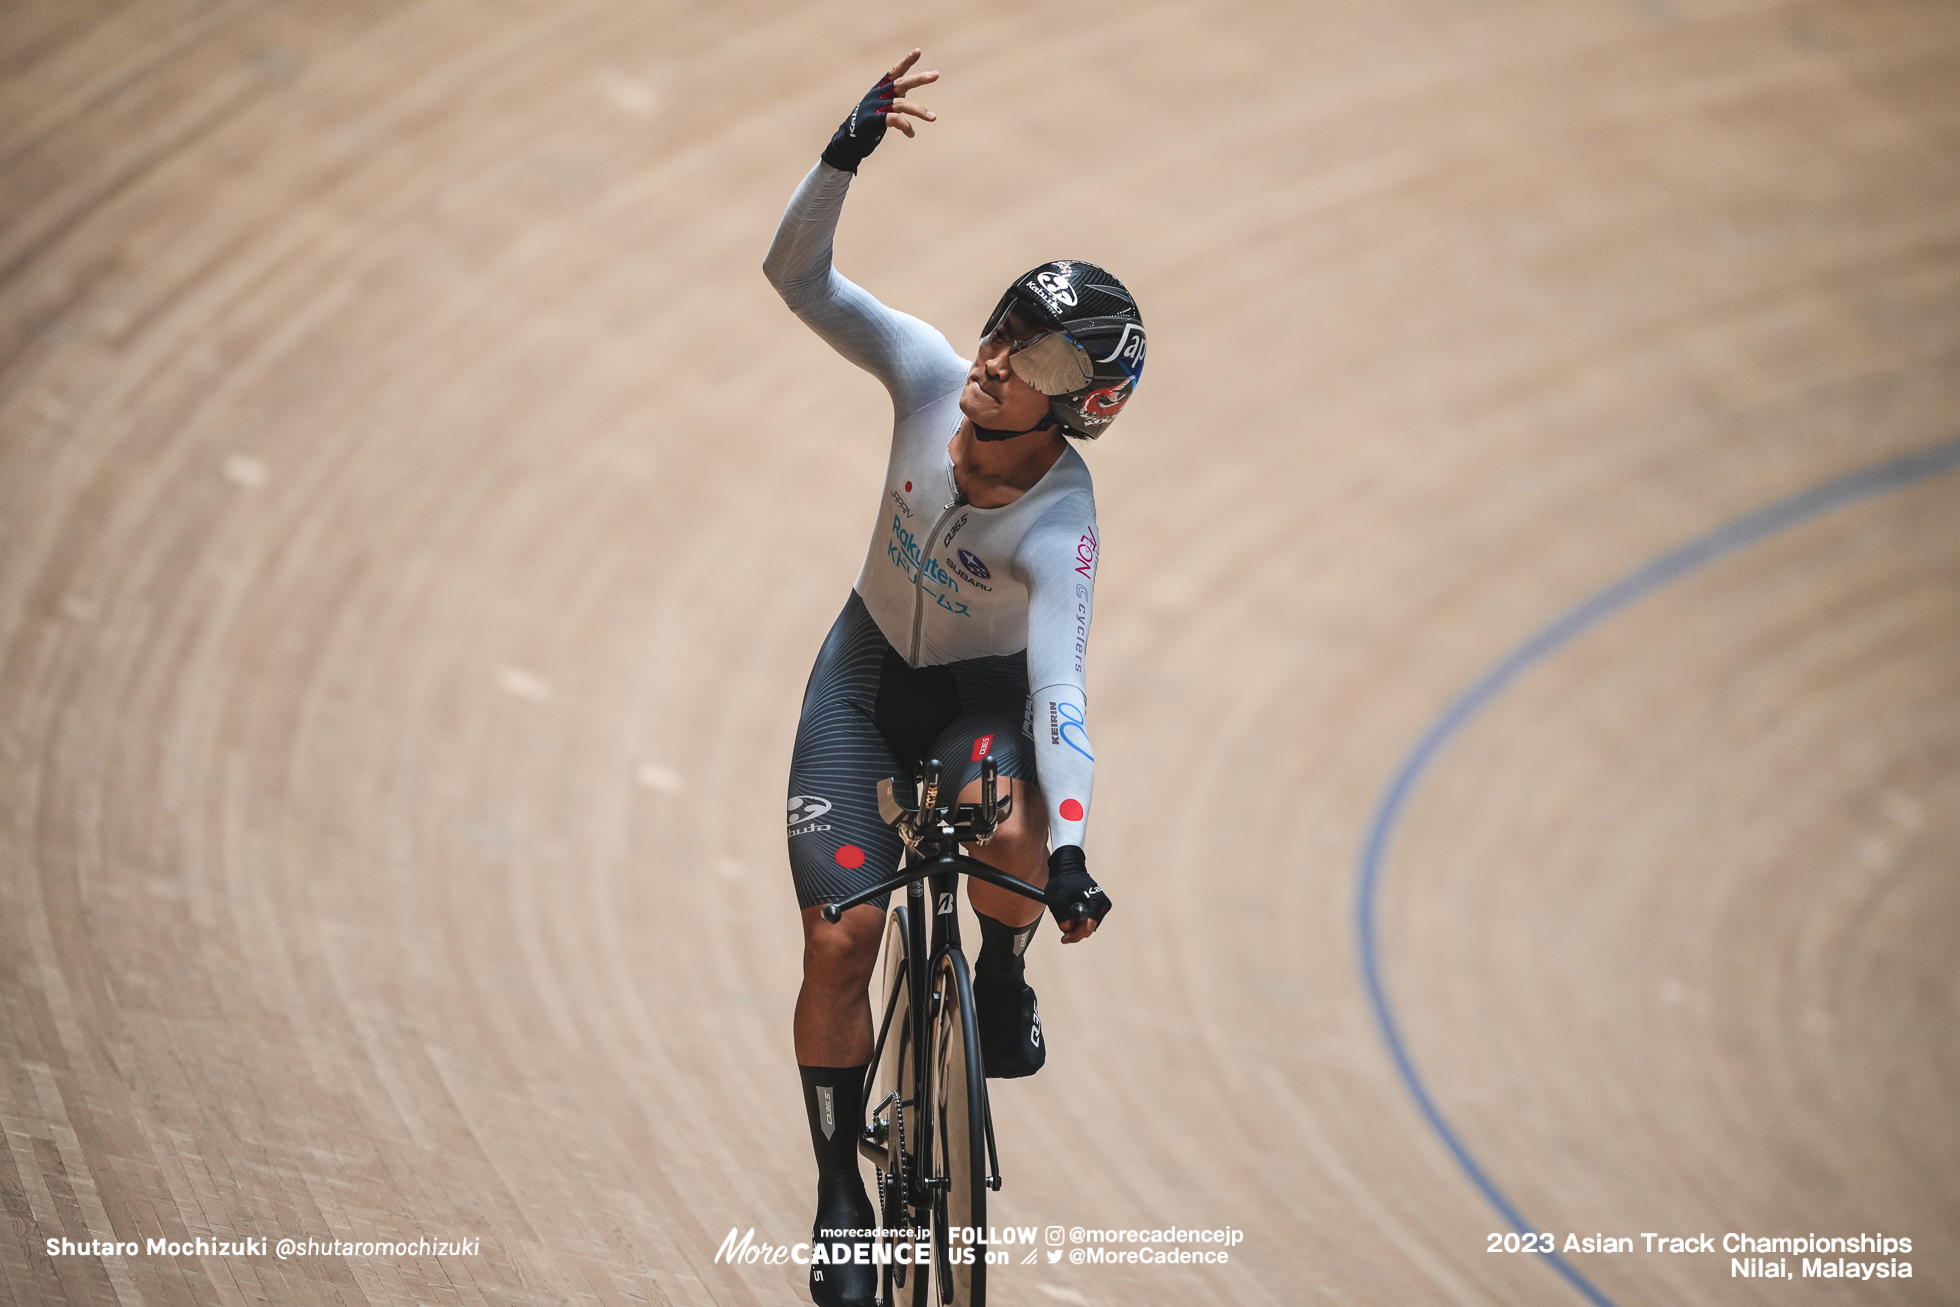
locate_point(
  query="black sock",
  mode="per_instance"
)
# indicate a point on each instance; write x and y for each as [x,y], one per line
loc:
[834,1098]
[1003,948]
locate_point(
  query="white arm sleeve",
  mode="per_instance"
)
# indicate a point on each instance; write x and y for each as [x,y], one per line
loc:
[914,361]
[1058,562]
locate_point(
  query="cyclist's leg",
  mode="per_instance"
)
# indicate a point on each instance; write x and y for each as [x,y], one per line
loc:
[995,729]
[832,1025]
[1019,848]
[838,844]
[996,723]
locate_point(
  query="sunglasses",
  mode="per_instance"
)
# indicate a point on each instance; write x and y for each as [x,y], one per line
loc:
[1050,361]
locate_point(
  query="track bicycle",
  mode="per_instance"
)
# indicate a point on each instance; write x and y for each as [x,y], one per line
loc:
[934,1152]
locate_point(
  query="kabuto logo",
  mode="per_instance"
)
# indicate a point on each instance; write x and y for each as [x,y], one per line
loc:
[971,562]
[1054,287]
[806,807]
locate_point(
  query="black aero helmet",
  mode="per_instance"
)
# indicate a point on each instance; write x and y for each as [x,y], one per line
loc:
[1090,359]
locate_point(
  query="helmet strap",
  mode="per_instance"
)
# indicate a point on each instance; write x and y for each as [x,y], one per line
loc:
[991,434]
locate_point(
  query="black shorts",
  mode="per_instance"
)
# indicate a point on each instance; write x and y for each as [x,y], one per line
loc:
[868,715]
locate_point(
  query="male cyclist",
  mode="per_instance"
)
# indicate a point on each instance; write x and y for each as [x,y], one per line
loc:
[962,639]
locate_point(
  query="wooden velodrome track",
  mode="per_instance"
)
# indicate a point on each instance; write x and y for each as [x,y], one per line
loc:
[417,519]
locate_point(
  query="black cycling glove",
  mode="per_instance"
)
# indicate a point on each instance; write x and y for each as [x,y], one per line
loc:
[862,131]
[1070,883]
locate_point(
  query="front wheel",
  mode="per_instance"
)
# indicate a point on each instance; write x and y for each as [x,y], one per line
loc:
[956,1095]
[898,1123]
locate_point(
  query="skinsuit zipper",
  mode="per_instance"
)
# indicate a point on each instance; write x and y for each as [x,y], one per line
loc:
[919,574]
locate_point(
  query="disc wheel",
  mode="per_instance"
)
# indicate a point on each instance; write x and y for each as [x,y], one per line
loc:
[956,1095]
[901,1282]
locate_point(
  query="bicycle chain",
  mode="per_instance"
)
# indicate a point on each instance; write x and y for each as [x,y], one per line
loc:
[894,1185]
[900,1177]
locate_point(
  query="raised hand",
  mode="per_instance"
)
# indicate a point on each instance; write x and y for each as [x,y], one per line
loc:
[904,81]
[884,105]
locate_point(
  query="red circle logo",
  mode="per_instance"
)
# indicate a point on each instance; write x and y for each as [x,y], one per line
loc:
[908,487]
[1106,402]
[851,857]
[1071,810]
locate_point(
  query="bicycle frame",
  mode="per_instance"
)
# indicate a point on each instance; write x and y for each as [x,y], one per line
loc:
[933,832]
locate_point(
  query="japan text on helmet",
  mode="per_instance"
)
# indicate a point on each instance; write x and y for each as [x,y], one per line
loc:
[1090,359]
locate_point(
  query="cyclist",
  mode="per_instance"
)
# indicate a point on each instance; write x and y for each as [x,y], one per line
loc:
[962,639]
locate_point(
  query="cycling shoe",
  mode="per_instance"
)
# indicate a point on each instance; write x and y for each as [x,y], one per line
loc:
[840,1280]
[1011,1043]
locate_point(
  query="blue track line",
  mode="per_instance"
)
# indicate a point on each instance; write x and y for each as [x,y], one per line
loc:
[1671,566]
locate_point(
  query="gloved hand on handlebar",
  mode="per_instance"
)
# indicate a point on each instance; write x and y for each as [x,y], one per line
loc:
[882,105]
[1079,904]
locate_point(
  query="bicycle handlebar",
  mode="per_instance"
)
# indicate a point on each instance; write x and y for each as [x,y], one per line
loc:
[958,862]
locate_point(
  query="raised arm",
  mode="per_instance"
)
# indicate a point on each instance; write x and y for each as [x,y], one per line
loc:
[914,361]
